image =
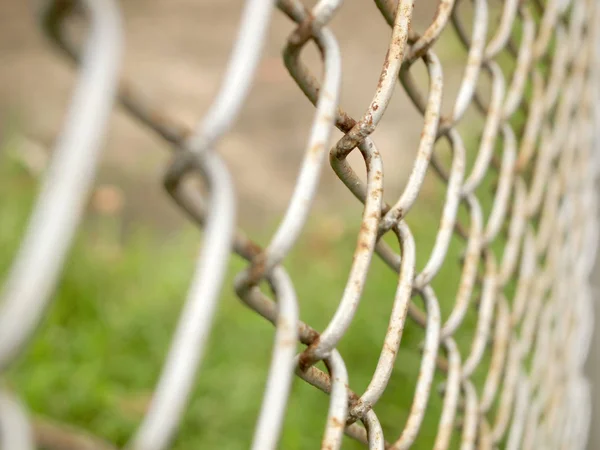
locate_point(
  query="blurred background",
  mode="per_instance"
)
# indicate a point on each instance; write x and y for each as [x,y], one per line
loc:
[96,357]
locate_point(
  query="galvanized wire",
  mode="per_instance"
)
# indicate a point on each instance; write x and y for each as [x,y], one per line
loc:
[532,297]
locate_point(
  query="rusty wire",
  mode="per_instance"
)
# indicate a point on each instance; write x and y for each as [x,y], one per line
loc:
[532,298]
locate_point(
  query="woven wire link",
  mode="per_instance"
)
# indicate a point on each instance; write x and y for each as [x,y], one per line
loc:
[532,298]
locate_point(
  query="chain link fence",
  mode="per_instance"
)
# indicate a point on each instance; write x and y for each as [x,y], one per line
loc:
[526,254]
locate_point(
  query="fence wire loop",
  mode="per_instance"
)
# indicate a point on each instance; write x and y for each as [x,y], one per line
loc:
[523,295]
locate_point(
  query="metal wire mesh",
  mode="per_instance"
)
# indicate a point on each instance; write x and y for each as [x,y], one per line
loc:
[525,265]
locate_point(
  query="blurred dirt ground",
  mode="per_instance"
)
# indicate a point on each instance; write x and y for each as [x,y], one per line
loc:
[176,51]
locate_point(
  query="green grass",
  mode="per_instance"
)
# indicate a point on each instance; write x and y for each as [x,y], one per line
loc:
[97,355]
